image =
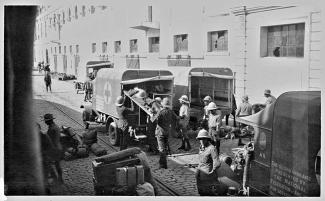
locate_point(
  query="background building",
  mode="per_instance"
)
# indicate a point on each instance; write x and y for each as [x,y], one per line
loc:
[267,45]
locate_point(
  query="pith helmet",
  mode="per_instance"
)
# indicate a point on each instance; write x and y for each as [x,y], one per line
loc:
[267,92]
[48,117]
[141,94]
[184,99]
[158,99]
[203,134]
[212,106]
[165,102]
[119,101]
[207,98]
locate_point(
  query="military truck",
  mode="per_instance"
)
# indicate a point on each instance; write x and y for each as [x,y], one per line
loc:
[285,160]
[112,82]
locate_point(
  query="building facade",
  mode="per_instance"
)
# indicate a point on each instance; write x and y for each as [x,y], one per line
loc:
[265,45]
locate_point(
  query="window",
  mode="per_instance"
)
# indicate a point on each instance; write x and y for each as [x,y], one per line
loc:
[65,50]
[154,44]
[180,43]
[104,47]
[55,50]
[117,46]
[217,41]
[70,49]
[63,18]
[83,11]
[69,15]
[76,12]
[93,47]
[59,49]
[77,49]
[133,45]
[283,40]
[51,50]
[92,9]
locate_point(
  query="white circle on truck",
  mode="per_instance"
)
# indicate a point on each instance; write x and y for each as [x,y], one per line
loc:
[107,93]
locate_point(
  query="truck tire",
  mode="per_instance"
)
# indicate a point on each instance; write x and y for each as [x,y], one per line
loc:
[113,135]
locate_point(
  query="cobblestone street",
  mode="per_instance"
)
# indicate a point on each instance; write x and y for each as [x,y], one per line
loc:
[78,173]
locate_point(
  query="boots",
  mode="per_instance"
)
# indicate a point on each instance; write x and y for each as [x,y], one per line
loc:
[188,145]
[183,144]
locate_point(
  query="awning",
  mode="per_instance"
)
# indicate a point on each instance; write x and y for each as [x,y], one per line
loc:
[205,74]
[91,64]
[136,81]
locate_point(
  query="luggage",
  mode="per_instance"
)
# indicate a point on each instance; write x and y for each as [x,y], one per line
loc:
[89,137]
[126,153]
[97,149]
[105,173]
[130,176]
[82,151]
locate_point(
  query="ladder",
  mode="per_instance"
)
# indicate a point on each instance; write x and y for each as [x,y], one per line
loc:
[314,64]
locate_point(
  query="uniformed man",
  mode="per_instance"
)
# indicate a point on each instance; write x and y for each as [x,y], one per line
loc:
[54,133]
[122,123]
[214,123]
[245,108]
[269,98]
[184,119]
[165,119]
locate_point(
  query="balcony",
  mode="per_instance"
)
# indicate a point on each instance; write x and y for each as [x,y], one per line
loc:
[146,25]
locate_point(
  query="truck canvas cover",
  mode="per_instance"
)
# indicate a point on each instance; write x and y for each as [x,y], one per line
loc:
[109,85]
[197,82]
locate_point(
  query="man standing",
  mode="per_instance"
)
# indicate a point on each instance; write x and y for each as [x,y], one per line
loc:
[214,123]
[54,133]
[122,123]
[47,77]
[233,111]
[165,119]
[245,108]
[206,102]
[184,115]
[269,98]
[88,89]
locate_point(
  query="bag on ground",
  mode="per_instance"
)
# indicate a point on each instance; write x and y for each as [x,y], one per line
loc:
[97,149]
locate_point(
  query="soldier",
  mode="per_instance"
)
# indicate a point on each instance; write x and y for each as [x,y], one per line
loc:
[233,111]
[122,123]
[184,116]
[206,102]
[245,108]
[165,119]
[151,126]
[47,78]
[269,98]
[54,133]
[214,123]
[88,88]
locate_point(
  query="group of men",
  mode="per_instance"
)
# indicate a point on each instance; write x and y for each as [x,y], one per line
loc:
[165,119]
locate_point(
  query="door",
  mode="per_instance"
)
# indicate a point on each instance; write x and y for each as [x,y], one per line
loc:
[76,64]
[55,57]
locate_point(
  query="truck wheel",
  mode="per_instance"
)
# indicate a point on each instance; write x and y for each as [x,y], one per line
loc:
[113,135]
